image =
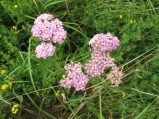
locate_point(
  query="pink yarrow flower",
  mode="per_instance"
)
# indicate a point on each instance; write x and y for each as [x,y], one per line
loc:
[104,42]
[98,63]
[45,50]
[115,76]
[46,28]
[75,77]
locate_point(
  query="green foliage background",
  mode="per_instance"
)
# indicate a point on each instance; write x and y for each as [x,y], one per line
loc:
[138,31]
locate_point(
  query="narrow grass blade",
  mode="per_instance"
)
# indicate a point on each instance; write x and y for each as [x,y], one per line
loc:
[75,30]
[142,112]
[36,6]
[53,3]
[29,64]
[41,105]
[3,100]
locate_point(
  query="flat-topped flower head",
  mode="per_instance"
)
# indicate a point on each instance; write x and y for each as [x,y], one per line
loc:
[104,42]
[43,18]
[47,28]
[75,77]
[45,50]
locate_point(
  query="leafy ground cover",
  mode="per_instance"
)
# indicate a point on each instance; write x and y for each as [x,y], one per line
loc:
[30,86]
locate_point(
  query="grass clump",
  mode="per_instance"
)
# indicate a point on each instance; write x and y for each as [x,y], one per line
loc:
[34,84]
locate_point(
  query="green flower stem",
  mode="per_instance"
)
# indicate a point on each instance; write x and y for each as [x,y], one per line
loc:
[29,64]
[100,104]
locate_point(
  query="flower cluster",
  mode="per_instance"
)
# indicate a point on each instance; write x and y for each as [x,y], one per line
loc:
[75,77]
[47,28]
[58,31]
[98,62]
[44,50]
[115,76]
[15,108]
[6,86]
[104,42]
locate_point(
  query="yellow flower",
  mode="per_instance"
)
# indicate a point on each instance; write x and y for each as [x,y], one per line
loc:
[15,6]
[3,72]
[15,108]
[14,28]
[121,16]
[4,86]
[57,93]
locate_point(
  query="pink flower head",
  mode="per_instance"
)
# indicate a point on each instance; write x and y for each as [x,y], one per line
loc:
[115,76]
[43,17]
[58,31]
[98,63]
[75,77]
[44,50]
[66,83]
[46,28]
[104,42]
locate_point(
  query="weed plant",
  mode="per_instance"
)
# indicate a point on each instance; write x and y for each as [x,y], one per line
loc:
[30,87]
